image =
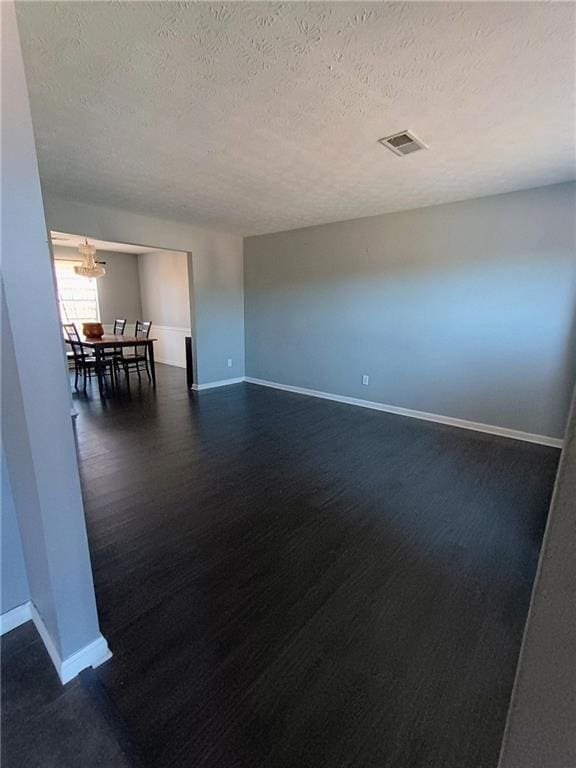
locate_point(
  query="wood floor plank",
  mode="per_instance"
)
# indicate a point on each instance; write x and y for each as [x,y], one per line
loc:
[286,581]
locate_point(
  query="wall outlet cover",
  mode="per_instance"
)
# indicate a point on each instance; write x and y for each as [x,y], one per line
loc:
[365,380]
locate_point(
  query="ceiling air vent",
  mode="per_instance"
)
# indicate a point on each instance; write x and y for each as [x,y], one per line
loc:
[403,143]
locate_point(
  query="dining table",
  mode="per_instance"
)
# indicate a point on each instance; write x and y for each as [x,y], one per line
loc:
[110,342]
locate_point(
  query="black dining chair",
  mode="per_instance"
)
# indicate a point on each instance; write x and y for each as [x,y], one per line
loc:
[119,327]
[138,360]
[85,364]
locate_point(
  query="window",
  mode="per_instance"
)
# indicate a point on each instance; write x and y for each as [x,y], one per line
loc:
[77,295]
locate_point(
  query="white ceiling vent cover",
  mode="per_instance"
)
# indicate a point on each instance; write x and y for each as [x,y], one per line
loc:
[403,143]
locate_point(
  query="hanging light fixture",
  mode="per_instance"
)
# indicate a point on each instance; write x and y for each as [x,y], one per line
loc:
[89,267]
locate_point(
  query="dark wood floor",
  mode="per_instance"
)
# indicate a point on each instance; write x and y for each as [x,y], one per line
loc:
[287,582]
[47,725]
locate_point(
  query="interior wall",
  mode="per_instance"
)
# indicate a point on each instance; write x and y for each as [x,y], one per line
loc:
[14,580]
[21,478]
[465,310]
[119,289]
[541,723]
[37,433]
[217,286]
[218,279]
[164,286]
[166,302]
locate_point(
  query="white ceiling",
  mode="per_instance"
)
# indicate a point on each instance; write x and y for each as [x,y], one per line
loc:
[65,240]
[258,117]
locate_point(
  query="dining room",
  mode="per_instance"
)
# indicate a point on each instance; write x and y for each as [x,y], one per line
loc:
[123,308]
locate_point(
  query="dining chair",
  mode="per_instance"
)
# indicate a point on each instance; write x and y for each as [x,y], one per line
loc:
[138,360]
[119,327]
[85,364]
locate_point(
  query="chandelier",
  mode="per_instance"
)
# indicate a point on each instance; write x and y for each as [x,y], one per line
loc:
[89,268]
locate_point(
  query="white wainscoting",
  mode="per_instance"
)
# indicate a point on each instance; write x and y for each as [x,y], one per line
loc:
[170,347]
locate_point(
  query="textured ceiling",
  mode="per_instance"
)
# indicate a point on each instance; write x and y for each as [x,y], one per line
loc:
[258,117]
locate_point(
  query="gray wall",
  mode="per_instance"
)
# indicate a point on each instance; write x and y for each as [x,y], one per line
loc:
[21,476]
[119,289]
[465,310]
[216,266]
[37,435]
[541,729]
[218,282]
[164,288]
[14,586]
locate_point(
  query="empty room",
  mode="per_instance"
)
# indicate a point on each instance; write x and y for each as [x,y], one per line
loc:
[288,364]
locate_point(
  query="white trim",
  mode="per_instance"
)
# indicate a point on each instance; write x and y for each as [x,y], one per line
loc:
[91,655]
[15,617]
[187,331]
[214,384]
[174,363]
[514,434]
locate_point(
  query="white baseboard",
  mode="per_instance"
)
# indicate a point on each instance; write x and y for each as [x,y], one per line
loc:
[175,363]
[14,618]
[214,384]
[92,655]
[514,434]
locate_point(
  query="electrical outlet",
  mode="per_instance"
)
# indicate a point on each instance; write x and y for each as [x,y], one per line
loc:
[229,362]
[365,380]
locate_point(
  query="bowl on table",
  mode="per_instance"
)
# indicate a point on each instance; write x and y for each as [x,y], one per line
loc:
[93,330]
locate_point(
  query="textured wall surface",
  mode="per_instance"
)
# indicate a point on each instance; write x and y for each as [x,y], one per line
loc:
[259,117]
[465,310]
[119,290]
